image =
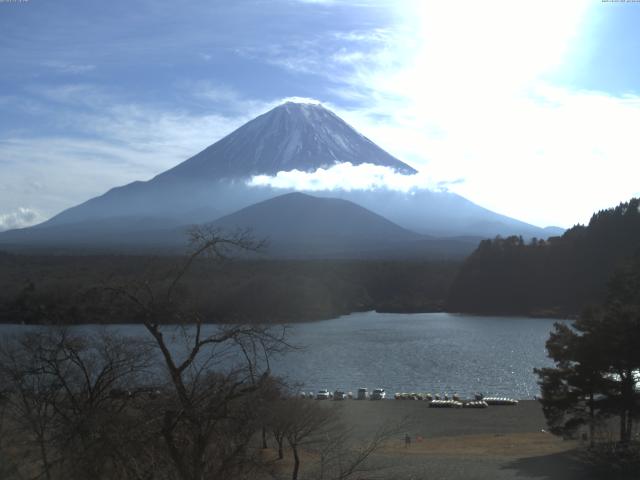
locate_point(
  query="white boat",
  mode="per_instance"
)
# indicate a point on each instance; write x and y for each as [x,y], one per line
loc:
[445,404]
[500,401]
[475,404]
[323,394]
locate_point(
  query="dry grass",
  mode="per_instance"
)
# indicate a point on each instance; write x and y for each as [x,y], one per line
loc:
[515,445]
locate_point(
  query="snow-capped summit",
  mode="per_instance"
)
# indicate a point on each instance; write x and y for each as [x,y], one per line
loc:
[303,100]
[295,135]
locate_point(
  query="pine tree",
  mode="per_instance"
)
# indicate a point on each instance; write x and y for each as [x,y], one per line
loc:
[597,371]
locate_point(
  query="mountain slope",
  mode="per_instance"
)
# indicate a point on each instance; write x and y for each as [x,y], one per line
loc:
[130,234]
[294,225]
[213,183]
[291,136]
[441,214]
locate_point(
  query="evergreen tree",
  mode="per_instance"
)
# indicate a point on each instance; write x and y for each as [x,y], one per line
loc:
[597,372]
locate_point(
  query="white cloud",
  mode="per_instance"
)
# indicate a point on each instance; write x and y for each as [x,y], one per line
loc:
[345,176]
[22,217]
[466,90]
[553,156]
[70,68]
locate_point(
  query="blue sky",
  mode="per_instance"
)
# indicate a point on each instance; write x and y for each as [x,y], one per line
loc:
[531,109]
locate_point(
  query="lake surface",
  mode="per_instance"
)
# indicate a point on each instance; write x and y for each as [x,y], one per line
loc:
[429,352]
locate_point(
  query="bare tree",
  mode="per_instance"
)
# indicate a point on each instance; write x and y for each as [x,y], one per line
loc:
[207,425]
[318,429]
[342,456]
[6,465]
[30,401]
[305,426]
[99,406]
[277,420]
[60,397]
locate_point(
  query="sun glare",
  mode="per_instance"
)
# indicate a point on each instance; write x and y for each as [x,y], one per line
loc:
[472,91]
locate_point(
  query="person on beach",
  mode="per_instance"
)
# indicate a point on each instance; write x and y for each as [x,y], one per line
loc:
[407,441]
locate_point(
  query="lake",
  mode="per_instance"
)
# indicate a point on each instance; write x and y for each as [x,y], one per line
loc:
[426,352]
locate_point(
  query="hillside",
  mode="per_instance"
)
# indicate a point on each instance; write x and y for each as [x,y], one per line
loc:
[298,224]
[560,276]
[293,225]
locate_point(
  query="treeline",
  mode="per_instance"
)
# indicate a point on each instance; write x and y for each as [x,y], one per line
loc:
[559,276]
[74,289]
[554,277]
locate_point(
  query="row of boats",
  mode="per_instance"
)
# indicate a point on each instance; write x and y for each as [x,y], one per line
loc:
[484,403]
[362,394]
[479,401]
[435,401]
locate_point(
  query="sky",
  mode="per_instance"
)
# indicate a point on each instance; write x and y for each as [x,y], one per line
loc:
[530,109]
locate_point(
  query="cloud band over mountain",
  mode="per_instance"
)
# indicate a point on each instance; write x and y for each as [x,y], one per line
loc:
[346,176]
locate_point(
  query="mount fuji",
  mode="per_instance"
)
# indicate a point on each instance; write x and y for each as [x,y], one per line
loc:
[215,183]
[300,136]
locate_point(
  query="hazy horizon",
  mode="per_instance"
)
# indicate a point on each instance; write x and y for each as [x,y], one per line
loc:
[526,109]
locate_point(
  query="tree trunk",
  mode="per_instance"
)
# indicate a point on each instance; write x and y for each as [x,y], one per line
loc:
[623,427]
[174,452]
[631,402]
[626,420]
[45,458]
[199,464]
[280,448]
[591,419]
[296,463]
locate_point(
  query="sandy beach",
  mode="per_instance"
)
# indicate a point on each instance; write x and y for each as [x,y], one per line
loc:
[429,423]
[498,443]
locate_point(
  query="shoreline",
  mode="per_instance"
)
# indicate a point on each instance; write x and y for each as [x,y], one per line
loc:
[338,315]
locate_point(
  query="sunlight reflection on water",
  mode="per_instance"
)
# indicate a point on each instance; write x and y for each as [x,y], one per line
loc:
[427,352]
